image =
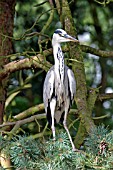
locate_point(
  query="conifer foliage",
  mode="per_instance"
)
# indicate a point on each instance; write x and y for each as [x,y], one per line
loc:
[27,153]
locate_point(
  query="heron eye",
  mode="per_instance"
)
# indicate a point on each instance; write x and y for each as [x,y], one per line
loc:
[62,35]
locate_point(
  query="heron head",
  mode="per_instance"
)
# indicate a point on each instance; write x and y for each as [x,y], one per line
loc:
[61,36]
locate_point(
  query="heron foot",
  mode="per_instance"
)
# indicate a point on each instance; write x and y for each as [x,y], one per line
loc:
[54,139]
[75,150]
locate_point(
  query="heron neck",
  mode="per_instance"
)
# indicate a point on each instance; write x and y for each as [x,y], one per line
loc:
[59,61]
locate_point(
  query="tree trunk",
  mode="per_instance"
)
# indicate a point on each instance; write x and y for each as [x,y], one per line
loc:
[7,9]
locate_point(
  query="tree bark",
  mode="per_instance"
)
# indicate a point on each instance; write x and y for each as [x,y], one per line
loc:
[6,32]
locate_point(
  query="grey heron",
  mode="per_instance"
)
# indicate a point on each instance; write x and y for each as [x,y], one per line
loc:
[59,86]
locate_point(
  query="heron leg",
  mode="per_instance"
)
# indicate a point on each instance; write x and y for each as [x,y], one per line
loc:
[52,108]
[65,126]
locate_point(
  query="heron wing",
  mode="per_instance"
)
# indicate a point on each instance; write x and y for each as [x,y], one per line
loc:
[72,83]
[48,88]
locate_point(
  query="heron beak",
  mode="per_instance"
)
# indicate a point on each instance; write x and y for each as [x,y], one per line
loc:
[71,38]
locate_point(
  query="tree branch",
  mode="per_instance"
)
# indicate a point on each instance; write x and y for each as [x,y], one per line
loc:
[40,107]
[106,96]
[101,53]
[102,117]
[40,62]
[36,62]
[29,112]
[21,122]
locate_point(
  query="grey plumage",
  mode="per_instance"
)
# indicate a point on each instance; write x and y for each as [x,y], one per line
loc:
[59,86]
[68,90]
